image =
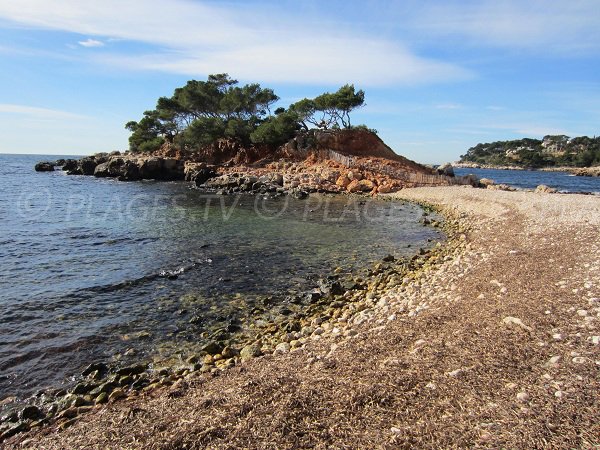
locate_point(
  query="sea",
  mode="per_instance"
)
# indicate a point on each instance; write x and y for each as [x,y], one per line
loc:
[530,179]
[126,272]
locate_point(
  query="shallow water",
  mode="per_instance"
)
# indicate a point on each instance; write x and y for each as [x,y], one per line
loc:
[95,269]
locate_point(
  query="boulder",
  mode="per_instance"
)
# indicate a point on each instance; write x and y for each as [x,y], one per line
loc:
[69,165]
[190,169]
[360,186]
[343,181]
[250,351]
[355,175]
[446,169]
[44,166]
[201,176]
[151,168]
[86,166]
[102,170]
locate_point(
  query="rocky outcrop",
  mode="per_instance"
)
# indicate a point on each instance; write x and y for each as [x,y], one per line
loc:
[127,167]
[587,172]
[123,169]
[44,166]
[446,169]
[354,160]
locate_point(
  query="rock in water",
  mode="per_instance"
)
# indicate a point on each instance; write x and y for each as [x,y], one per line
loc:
[446,169]
[70,164]
[86,166]
[44,166]
[202,175]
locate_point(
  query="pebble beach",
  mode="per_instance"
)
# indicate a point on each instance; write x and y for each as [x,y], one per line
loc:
[488,340]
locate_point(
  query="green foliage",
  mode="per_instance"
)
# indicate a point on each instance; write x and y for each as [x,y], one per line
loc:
[329,110]
[276,130]
[558,150]
[202,112]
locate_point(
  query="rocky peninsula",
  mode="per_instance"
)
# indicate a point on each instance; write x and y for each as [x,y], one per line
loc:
[325,161]
[490,340]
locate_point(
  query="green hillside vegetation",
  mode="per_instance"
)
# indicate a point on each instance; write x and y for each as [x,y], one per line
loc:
[551,151]
[201,112]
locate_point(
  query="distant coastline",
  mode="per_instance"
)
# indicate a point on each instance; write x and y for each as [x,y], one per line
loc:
[579,171]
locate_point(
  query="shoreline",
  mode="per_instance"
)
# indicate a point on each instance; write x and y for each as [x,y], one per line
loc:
[105,381]
[402,329]
[578,171]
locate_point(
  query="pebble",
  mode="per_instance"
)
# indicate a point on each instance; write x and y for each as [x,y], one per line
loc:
[282,347]
[559,394]
[579,360]
[515,321]
[554,360]
[523,396]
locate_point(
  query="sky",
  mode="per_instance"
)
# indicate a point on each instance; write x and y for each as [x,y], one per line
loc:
[440,76]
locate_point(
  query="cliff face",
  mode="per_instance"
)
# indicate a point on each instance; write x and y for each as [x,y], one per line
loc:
[354,160]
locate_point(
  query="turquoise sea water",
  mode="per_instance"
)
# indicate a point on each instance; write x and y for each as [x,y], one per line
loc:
[95,269]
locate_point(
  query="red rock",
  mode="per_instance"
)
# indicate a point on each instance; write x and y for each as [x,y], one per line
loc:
[343,181]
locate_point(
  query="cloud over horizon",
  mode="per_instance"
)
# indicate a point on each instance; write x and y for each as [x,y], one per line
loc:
[198,39]
[91,43]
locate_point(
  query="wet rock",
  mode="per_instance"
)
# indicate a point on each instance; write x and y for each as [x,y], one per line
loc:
[151,168]
[101,170]
[313,296]
[44,166]
[21,427]
[299,194]
[201,176]
[102,398]
[83,388]
[332,287]
[31,413]
[229,352]
[100,367]
[104,388]
[132,370]
[126,380]
[69,165]
[212,348]
[250,351]
[117,394]
[86,166]
[140,383]
[388,258]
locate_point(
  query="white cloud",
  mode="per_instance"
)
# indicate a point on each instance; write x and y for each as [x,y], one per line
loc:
[91,43]
[549,26]
[449,106]
[200,38]
[35,112]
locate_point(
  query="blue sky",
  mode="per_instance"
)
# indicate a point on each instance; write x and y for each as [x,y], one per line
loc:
[440,76]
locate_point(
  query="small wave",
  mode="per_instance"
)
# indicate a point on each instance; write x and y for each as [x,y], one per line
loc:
[126,284]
